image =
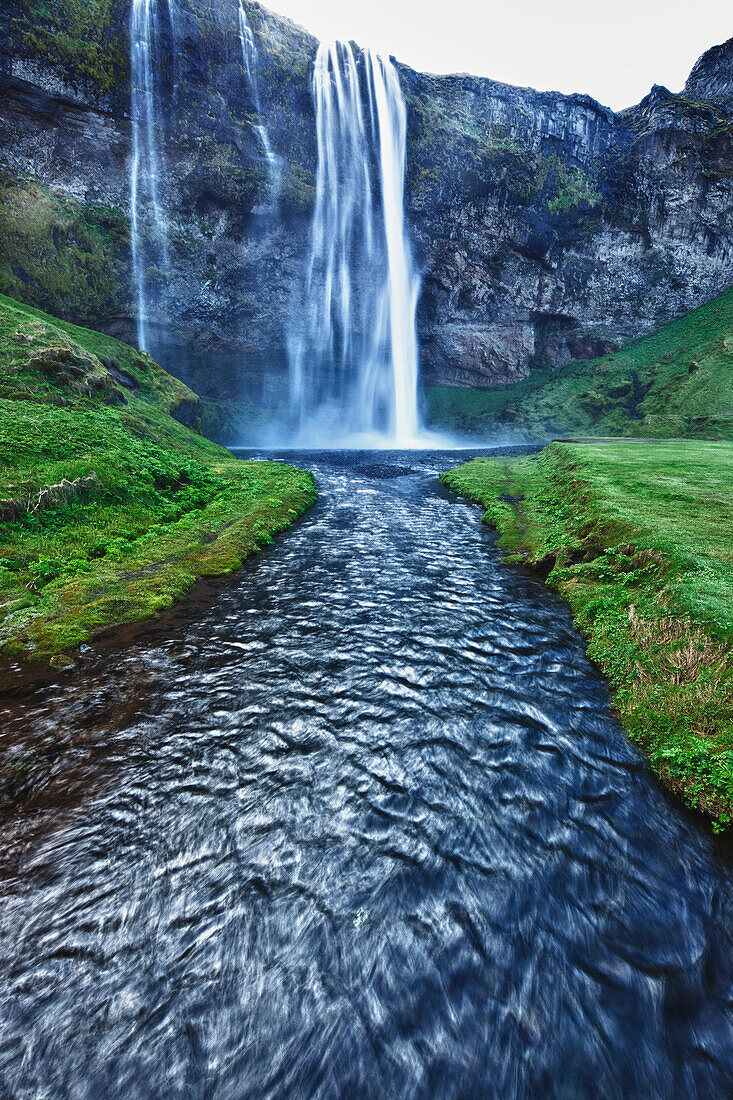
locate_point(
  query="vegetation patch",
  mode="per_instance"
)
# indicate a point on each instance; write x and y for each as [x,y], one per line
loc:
[110,508]
[677,382]
[77,38]
[636,537]
[574,188]
[61,255]
[458,149]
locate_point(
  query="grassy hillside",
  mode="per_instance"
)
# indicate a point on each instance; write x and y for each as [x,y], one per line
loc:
[678,382]
[111,507]
[637,537]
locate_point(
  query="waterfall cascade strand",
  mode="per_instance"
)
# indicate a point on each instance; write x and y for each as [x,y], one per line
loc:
[145,202]
[354,361]
[251,62]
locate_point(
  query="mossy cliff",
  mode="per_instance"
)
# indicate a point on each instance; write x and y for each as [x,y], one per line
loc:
[552,229]
[111,506]
[677,382]
[80,42]
[637,538]
[548,228]
[66,141]
[58,250]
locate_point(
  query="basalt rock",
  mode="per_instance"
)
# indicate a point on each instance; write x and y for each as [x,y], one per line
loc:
[551,229]
[712,76]
[187,411]
[65,161]
[547,227]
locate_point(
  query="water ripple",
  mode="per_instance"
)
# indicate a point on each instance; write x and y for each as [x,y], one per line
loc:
[363,827]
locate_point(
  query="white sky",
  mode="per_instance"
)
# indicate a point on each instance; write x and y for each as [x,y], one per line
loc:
[612,49]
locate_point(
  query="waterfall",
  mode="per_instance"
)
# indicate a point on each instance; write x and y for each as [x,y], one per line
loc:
[147,211]
[251,62]
[354,361]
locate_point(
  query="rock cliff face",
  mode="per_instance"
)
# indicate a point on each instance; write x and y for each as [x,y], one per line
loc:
[550,228]
[546,226]
[65,164]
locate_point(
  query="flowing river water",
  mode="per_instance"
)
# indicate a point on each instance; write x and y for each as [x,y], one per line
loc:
[361,826]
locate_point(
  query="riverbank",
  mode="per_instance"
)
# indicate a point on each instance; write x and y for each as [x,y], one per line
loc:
[112,504]
[636,537]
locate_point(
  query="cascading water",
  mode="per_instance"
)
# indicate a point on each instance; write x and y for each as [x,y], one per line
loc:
[251,62]
[354,362]
[147,211]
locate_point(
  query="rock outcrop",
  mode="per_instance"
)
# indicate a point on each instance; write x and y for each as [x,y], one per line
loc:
[551,228]
[547,227]
[65,161]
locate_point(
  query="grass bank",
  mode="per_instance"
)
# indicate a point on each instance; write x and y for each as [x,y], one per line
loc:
[111,504]
[637,538]
[676,382]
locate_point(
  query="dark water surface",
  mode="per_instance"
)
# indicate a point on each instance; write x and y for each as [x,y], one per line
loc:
[363,827]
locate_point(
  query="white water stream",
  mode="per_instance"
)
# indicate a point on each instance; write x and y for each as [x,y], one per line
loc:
[251,62]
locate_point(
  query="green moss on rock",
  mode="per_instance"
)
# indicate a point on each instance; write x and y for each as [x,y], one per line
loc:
[676,382]
[70,259]
[78,39]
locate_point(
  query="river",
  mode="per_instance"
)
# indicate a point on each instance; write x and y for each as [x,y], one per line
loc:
[359,824]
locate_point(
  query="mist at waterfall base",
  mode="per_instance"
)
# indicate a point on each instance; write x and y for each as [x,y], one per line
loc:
[352,373]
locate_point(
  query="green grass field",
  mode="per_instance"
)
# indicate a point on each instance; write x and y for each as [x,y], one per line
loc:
[639,539]
[677,382]
[110,507]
